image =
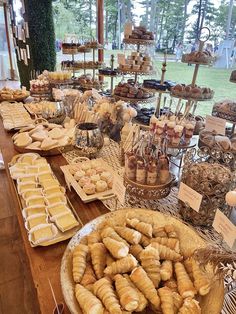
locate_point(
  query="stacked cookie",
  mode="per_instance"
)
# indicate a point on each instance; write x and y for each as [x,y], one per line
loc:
[132,91]
[140,32]
[189,91]
[136,62]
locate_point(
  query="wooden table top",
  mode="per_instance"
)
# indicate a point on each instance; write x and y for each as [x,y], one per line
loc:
[45,261]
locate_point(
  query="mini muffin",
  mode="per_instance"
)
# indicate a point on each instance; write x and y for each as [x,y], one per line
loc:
[101,186]
[86,165]
[90,172]
[89,188]
[99,170]
[79,174]
[105,176]
[95,178]
[84,180]
[73,169]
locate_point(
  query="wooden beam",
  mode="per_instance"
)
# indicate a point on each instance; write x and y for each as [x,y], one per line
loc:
[12,74]
[100,27]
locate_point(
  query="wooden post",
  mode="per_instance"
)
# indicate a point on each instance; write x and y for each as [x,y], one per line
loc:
[100,28]
[12,74]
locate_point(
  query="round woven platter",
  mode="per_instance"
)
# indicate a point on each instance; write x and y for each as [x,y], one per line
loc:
[189,240]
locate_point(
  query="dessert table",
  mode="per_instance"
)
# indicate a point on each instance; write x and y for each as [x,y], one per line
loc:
[45,261]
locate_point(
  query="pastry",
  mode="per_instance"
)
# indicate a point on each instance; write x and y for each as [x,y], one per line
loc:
[136,250]
[172,243]
[145,285]
[166,270]
[34,145]
[34,210]
[57,209]
[150,262]
[111,233]
[79,261]
[130,235]
[94,178]
[103,289]
[166,253]
[36,220]
[123,265]
[35,201]
[142,227]
[89,188]
[94,237]
[87,301]
[185,285]
[89,277]
[66,222]
[142,303]
[201,281]
[128,295]
[79,174]
[84,181]
[190,306]
[167,302]
[42,233]
[101,186]
[48,143]
[117,249]
[98,257]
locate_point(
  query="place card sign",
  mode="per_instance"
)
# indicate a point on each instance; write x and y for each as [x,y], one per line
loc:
[121,58]
[215,124]
[189,196]
[119,189]
[226,228]
[128,29]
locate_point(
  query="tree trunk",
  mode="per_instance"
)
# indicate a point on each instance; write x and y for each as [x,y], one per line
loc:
[147,13]
[186,2]
[157,20]
[231,4]
[198,20]
[129,14]
[106,25]
[161,25]
[153,14]
[90,16]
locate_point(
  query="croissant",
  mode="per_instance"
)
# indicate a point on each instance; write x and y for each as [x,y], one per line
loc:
[178,301]
[166,253]
[135,250]
[130,235]
[87,301]
[166,270]
[167,303]
[104,291]
[117,249]
[185,285]
[170,230]
[190,306]
[145,285]
[94,237]
[150,262]
[98,257]
[109,259]
[172,243]
[123,265]
[79,261]
[111,233]
[88,277]
[159,231]
[128,296]
[188,266]
[171,284]
[145,241]
[140,226]
[201,281]
[142,300]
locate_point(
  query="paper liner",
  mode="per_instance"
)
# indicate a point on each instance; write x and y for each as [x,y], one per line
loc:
[23,184]
[34,216]
[33,190]
[41,226]
[24,210]
[35,198]
[62,197]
